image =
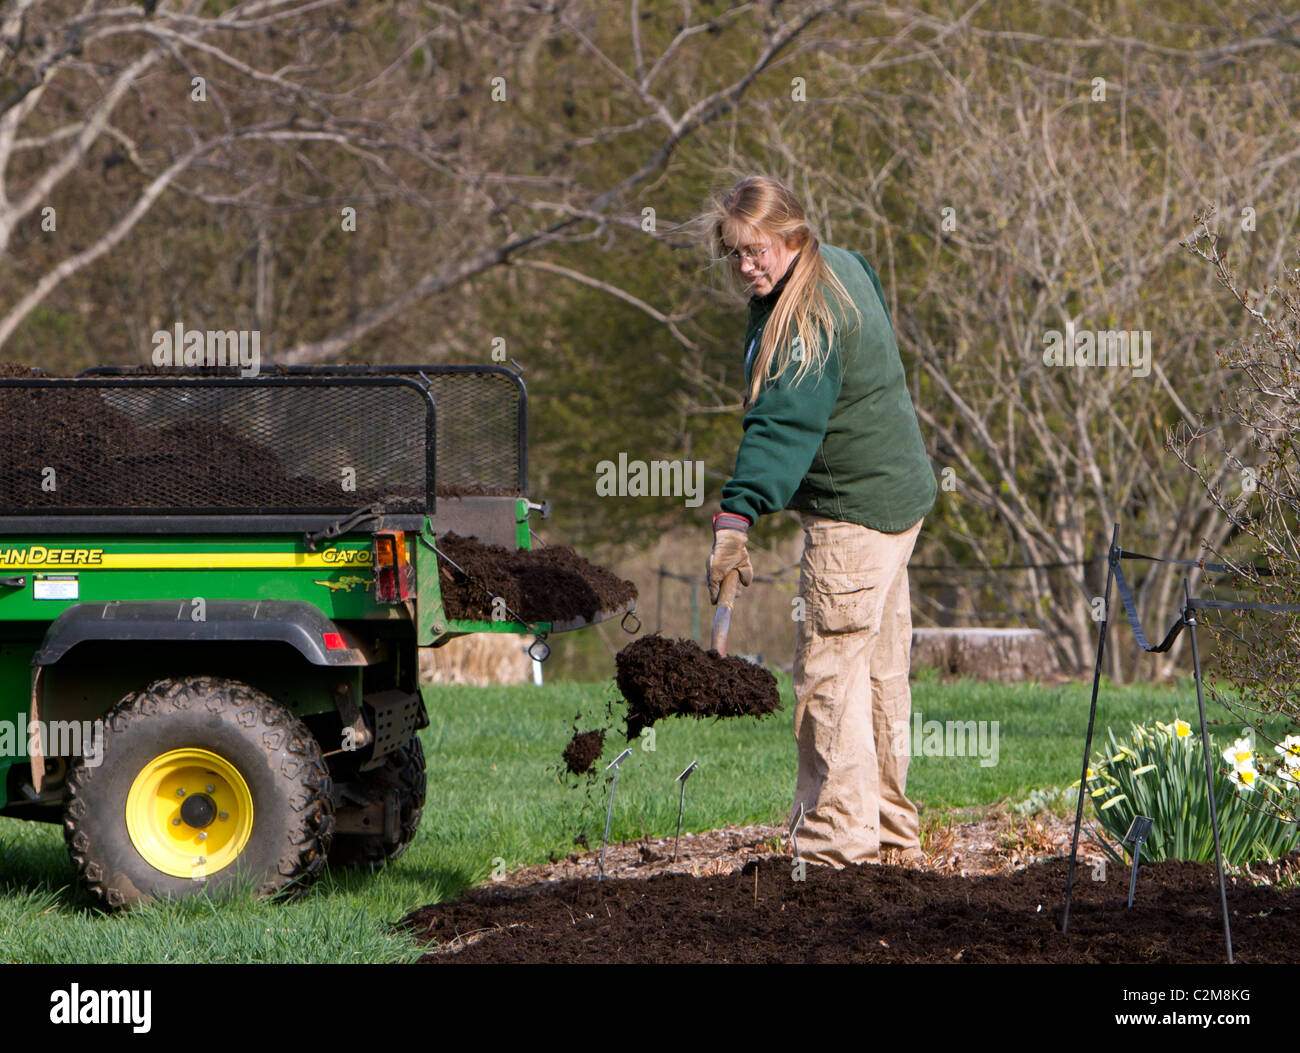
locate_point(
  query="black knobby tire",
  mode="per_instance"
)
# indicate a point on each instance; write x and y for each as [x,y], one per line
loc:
[290,822]
[402,771]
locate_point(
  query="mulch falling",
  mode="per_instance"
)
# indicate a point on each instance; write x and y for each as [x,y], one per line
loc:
[873,914]
[660,678]
[542,584]
[583,751]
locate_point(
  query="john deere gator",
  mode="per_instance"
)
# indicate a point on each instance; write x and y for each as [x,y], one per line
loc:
[213,592]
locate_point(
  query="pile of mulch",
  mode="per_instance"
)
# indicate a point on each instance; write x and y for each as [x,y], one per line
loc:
[552,584]
[103,459]
[663,678]
[95,444]
[466,490]
[583,751]
[873,914]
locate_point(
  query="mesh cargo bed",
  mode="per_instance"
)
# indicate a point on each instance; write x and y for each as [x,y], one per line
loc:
[138,450]
[158,447]
[482,438]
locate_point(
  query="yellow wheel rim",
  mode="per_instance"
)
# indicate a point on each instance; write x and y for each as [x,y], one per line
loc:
[189,813]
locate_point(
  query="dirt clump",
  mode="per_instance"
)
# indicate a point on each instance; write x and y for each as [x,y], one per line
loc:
[662,678]
[551,584]
[583,751]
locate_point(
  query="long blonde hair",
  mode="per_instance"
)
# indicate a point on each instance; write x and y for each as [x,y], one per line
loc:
[759,208]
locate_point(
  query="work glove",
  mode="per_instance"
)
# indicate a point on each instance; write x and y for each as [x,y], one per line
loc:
[729,552]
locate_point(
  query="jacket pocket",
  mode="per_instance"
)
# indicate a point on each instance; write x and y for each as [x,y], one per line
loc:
[842,603]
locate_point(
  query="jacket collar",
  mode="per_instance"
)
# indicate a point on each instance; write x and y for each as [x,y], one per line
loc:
[770,298]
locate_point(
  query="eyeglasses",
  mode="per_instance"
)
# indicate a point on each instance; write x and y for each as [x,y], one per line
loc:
[736,256]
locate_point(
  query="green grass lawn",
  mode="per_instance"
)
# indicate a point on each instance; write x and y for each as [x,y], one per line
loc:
[496,798]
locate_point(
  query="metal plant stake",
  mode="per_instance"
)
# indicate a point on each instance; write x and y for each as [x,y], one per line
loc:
[794,831]
[610,812]
[681,805]
[1137,833]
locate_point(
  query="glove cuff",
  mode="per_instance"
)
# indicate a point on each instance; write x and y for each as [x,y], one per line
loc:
[730,521]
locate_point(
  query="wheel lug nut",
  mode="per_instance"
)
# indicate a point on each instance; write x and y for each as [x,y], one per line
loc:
[223,815]
[176,821]
[180,792]
[203,835]
[209,788]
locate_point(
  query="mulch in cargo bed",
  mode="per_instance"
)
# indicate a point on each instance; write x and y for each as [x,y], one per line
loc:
[660,678]
[466,490]
[551,584]
[103,459]
[872,914]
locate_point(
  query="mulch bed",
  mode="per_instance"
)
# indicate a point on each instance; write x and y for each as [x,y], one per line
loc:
[660,677]
[552,584]
[874,914]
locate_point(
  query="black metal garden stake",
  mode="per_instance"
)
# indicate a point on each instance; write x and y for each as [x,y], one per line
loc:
[610,813]
[681,805]
[794,832]
[1137,833]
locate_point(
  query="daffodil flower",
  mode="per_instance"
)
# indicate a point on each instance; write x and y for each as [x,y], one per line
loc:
[1113,801]
[1182,729]
[1144,769]
[1290,751]
[1245,778]
[1239,754]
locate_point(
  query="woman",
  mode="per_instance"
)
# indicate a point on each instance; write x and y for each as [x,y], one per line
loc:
[830,432]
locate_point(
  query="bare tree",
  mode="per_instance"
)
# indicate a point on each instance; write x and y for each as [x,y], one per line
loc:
[1245,457]
[1021,195]
[223,109]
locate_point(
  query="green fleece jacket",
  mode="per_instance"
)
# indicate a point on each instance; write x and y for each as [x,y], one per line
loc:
[845,444]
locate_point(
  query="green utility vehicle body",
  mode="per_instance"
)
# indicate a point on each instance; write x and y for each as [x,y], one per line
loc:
[224,602]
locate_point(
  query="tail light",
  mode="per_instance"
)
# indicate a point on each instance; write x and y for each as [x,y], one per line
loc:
[394,575]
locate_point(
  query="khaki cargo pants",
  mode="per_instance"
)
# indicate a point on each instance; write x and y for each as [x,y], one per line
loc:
[853,703]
